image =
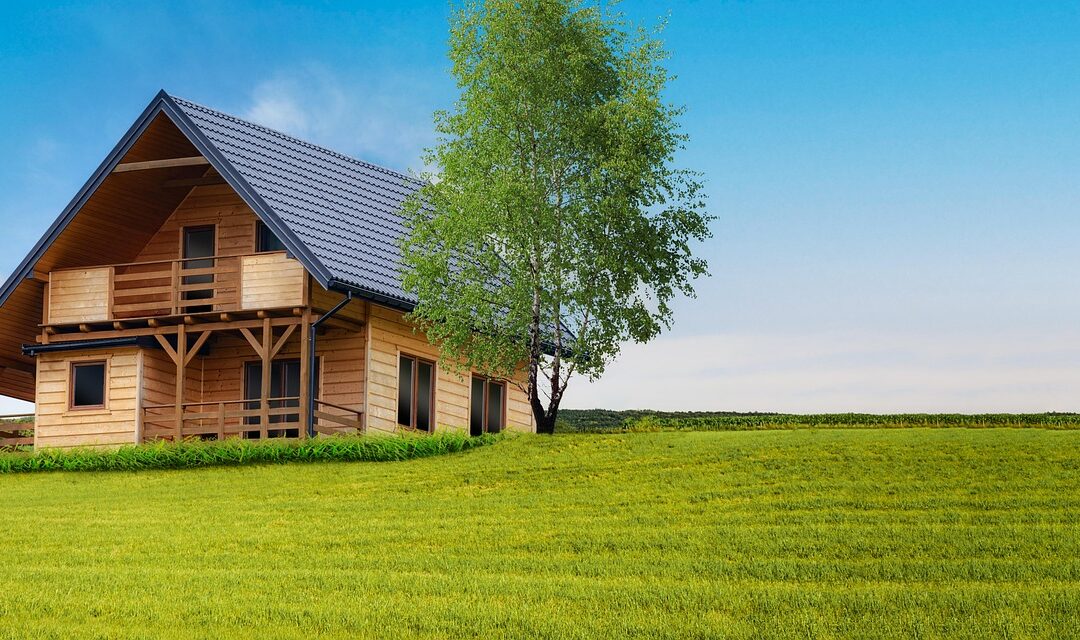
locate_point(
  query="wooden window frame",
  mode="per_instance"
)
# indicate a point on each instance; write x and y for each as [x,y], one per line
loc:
[196,226]
[505,399]
[259,225]
[72,365]
[432,422]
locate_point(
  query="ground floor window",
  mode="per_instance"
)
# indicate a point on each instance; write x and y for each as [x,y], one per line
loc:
[416,393]
[87,385]
[487,413]
[284,383]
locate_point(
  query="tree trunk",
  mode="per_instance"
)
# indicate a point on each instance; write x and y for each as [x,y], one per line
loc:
[545,421]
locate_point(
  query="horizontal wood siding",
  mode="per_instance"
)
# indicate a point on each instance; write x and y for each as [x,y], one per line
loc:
[59,426]
[79,295]
[271,280]
[216,205]
[392,335]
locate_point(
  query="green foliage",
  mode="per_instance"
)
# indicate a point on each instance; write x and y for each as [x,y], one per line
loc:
[234,451]
[557,222]
[869,534]
[606,420]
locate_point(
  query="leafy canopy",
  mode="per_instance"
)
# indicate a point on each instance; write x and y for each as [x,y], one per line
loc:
[556,227]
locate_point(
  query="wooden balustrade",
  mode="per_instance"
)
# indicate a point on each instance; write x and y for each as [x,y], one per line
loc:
[233,418]
[141,290]
[16,430]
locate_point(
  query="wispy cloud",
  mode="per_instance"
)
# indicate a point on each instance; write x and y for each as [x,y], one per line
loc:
[379,118]
[829,372]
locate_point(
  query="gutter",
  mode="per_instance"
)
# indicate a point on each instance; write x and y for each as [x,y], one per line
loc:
[312,338]
[104,343]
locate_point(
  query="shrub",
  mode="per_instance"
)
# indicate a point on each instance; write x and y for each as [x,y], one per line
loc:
[189,454]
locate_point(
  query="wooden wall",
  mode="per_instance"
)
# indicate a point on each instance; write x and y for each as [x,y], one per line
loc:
[271,280]
[57,425]
[209,204]
[79,295]
[391,335]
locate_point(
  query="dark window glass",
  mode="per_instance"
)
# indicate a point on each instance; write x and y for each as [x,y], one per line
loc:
[476,411]
[486,410]
[88,384]
[423,395]
[495,407]
[405,391]
[284,383]
[198,243]
[416,389]
[265,240]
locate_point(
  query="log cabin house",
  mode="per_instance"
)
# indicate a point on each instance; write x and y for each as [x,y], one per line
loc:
[215,278]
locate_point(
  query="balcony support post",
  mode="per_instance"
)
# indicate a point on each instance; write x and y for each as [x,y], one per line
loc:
[305,373]
[181,369]
[264,401]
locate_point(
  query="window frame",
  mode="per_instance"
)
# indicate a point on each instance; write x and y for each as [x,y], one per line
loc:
[260,226]
[503,391]
[75,364]
[414,392]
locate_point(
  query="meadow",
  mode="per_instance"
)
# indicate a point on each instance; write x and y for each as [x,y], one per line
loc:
[807,533]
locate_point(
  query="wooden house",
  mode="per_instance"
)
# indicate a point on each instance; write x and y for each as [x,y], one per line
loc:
[215,278]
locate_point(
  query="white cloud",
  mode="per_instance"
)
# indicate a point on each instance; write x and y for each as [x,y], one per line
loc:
[831,372]
[380,118]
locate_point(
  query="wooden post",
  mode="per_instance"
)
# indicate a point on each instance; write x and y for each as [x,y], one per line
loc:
[181,357]
[176,293]
[267,346]
[305,371]
[221,421]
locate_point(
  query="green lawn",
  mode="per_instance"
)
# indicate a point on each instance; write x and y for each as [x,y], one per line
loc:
[914,533]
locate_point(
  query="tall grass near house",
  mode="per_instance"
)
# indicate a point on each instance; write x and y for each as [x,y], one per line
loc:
[188,454]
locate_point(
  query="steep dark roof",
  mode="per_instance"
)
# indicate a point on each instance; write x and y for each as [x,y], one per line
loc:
[339,216]
[346,212]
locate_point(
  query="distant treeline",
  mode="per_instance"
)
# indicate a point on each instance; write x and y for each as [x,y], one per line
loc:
[600,420]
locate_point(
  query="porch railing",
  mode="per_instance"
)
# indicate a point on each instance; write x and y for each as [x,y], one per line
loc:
[244,418]
[16,429]
[174,287]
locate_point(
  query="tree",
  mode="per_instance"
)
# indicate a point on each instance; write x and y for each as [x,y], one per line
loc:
[556,227]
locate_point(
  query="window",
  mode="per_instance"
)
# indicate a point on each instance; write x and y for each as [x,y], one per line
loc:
[87,385]
[198,252]
[284,383]
[486,414]
[265,240]
[416,393]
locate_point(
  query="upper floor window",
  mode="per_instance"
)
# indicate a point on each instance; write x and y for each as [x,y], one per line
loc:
[87,385]
[265,240]
[416,393]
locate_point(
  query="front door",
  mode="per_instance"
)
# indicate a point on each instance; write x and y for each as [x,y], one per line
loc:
[198,252]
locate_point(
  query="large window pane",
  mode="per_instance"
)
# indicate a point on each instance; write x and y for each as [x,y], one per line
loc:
[405,391]
[476,411]
[495,407]
[424,372]
[265,240]
[88,384]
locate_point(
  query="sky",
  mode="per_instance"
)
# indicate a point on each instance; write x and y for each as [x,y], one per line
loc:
[895,184]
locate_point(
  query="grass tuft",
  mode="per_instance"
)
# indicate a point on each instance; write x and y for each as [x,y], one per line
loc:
[191,454]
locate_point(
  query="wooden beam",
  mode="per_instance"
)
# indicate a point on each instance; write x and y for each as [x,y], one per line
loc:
[165,329]
[194,351]
[119,326]
[192,182]
[281,341]
[305,372]
[38,276]
[255,344]
[181,369]
[85,328]
[264,404]
[168,348]
[161,164]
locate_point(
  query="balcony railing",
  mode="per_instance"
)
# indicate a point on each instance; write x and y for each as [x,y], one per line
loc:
[244,418]
[174,287]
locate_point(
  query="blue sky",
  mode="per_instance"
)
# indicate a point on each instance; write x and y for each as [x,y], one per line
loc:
[896,183]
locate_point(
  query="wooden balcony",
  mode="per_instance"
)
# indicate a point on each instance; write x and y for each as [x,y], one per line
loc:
[163,288]
[244,418]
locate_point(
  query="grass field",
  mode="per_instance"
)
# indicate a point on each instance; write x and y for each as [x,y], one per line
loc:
[884,533]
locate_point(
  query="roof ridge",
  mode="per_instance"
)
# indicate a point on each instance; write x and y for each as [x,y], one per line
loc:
[299,141]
